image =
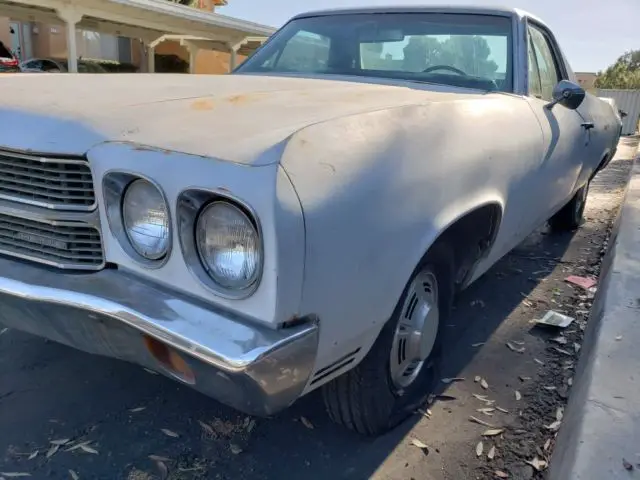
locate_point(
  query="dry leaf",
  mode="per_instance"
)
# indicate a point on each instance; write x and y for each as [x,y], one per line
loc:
[52,451]
[169,433]
[483,383]
[79,445]
[14,474]
[480,422]
[306,423]
[34,455]
[518,395]
[547,444]
[492,453]
[539,362]
[486,411]
[452,380]
[417,443]
[627,465]
[570,381]
[524,379]
[60,442]
[562,351]
[493,432]
[74,475]
[559,414]
[618,338]
[251,425]
[500,474]
[158,458]
[576,346]
[479,449]
[138,409]
[477,379]
[235,449]
[560,340]
[513,348]
[554,427]
[538,464]
[207,428]
[88,449]
[164,471]
[550,388]
[502,410]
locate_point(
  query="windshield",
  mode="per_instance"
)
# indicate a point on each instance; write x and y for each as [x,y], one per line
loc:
[471,51]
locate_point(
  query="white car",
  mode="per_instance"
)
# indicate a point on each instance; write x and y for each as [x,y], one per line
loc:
[304,222]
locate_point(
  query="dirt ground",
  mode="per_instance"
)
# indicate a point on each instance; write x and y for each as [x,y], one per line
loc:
[141,426]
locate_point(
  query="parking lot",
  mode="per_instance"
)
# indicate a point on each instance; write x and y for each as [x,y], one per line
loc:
[132,424]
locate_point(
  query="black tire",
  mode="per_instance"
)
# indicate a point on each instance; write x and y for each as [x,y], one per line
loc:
[569,217]
[365,399]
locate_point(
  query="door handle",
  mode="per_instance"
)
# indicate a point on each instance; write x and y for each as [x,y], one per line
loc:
[588,125]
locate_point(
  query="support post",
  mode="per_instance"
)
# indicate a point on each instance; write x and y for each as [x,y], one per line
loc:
[151,59]
[71,17]
[193,56]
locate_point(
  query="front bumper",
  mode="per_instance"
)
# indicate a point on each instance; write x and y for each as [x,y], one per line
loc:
[254,369]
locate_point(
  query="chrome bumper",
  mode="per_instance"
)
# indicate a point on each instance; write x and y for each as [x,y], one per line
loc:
[252,368]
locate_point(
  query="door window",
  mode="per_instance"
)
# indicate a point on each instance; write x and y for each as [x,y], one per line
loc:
[547,66]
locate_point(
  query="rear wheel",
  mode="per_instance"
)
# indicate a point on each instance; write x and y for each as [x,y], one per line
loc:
[402,367]
[569,217]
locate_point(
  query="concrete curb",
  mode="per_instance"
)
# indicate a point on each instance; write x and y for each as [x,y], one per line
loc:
[601,426]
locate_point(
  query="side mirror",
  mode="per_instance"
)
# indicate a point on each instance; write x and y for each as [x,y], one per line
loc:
[568,94]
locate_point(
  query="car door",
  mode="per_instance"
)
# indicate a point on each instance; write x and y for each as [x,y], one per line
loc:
[565,137]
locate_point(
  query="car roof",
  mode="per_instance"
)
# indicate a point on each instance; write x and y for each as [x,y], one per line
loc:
[471,9]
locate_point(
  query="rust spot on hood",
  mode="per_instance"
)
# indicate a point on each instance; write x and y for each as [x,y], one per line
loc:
[244,98]
[202,104]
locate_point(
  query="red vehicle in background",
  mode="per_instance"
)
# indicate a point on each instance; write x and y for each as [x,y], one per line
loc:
[8,62]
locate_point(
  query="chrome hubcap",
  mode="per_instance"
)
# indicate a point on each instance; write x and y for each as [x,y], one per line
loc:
[416,332]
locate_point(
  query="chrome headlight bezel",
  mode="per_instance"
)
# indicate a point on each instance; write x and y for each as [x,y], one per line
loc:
[114,185]
[191,203]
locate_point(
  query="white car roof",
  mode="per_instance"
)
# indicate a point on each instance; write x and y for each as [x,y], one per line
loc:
[477,10]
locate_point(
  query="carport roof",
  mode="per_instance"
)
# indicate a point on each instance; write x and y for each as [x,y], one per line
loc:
[147,19]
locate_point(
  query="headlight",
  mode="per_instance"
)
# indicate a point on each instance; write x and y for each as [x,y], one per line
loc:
[228,245]
[146,219]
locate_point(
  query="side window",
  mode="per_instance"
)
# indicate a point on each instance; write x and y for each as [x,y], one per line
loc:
[305,51]
[547,65]
[535,86]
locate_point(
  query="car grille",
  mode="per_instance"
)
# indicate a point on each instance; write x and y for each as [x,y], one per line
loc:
[73,245]
[58,184]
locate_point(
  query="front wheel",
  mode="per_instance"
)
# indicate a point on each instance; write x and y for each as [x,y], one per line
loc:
[402,367]
[570,216]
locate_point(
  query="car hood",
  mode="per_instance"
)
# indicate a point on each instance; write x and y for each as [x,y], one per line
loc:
[229,117]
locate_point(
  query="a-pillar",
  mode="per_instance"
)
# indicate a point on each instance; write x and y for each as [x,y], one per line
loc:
[71,17]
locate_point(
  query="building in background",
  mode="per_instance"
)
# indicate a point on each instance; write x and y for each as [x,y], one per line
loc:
[587,80]
[40,40]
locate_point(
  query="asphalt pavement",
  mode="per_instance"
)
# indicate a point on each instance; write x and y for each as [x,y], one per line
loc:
[127,423]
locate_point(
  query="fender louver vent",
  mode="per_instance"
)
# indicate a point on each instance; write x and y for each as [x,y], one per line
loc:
[335,366]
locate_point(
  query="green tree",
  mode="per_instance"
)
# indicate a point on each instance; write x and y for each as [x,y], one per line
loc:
[188,3]
[623,74]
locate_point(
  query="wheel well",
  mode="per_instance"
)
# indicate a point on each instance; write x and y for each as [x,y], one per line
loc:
[471,237]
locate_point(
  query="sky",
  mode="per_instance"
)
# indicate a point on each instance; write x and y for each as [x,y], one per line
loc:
[592,33]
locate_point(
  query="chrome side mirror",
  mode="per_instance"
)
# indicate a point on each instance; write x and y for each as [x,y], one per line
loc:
[568,94]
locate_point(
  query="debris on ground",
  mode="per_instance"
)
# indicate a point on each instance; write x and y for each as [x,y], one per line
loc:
[584,282]
[555,319]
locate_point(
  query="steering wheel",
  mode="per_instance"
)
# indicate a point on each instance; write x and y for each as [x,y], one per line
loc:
[444,67]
